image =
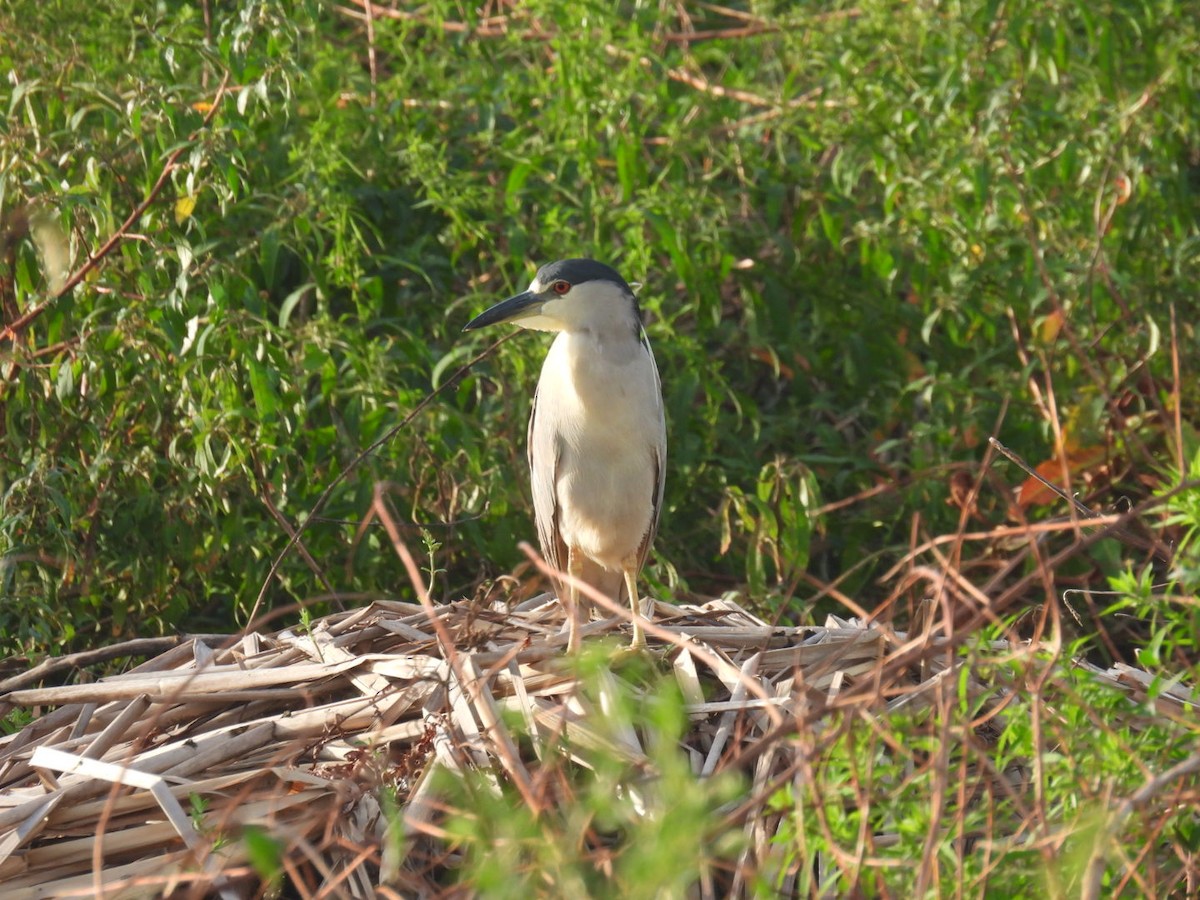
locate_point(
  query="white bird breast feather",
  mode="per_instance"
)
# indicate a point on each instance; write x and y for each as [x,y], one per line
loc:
[597,449]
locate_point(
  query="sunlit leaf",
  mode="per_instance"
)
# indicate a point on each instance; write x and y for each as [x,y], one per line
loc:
[184,207]
[1050,326]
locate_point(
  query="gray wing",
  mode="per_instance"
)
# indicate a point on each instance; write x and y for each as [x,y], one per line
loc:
[545,451]
[659,455]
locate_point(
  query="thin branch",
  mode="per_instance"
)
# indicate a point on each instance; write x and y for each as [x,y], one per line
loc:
[1077,506]
[1181,460]
[469,681]
[264,490]
[355,463]
[372,64]
[1143,795]
[13,329]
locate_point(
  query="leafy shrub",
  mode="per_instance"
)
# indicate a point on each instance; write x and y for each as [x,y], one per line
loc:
[868,238]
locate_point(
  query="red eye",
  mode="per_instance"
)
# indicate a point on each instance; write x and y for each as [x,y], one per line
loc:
[561,287]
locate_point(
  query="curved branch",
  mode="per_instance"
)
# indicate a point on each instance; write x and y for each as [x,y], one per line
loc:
[12,330]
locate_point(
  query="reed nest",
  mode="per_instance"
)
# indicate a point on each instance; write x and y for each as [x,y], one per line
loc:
[147,783]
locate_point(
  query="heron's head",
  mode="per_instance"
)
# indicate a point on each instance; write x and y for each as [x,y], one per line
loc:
[568,295]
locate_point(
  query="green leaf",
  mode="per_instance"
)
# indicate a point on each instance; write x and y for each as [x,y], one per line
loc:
[265,398]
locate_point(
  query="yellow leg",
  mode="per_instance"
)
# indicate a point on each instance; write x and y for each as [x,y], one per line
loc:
[635,605]
[575,570]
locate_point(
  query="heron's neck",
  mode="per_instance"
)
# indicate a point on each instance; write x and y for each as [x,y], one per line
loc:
[591,352]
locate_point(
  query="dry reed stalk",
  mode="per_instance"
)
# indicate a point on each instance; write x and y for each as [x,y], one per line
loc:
[303,734]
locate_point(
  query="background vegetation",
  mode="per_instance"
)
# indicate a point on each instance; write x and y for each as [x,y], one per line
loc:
[871,235]
[868,240]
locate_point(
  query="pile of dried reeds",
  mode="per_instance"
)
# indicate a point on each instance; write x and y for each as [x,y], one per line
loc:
[296,733]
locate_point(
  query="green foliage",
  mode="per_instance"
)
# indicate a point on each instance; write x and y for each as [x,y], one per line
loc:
[199,808]
[1167,606]
[976,783]
[265,854]
[778,519]
[866,235]
[617,827]
[862,233]
[896,802]
[217,364]
[1182,505]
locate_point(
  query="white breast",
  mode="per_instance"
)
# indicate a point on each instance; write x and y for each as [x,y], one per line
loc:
[604,403]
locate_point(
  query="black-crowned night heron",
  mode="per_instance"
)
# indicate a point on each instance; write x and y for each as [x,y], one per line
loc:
[597,436]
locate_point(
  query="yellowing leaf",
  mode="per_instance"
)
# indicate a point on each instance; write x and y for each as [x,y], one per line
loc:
[202,106]
[184,207]
[52,243]
[1124,185]
[1050,327]
[768,357]
[1079,460]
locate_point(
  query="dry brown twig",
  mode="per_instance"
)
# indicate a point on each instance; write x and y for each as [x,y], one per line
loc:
[298,531]
[12,330]
[296,731]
